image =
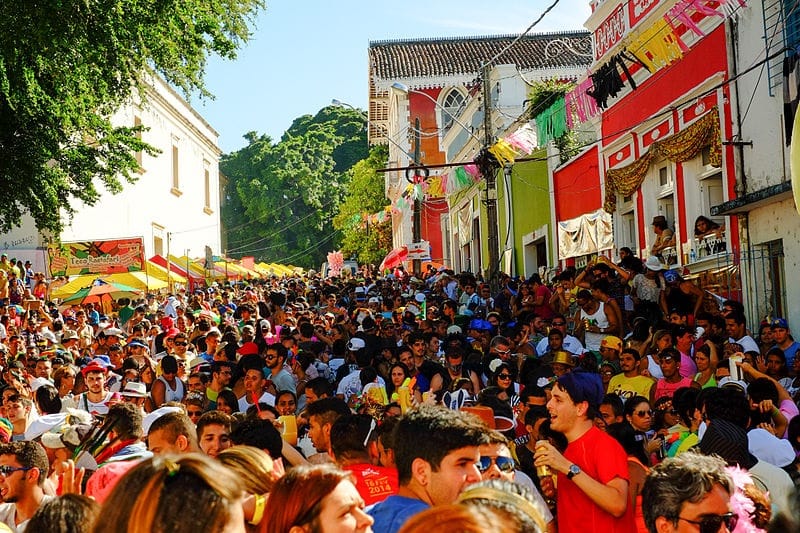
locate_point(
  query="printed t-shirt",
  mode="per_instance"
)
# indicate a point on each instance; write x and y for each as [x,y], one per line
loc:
[374,483]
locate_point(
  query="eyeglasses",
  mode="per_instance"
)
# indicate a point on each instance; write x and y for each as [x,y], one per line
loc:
[558,323]
[498,350]
[644,413]
[672,412]
[181,343]
[504,376]
[711,523]
[504,464]
[6,470]
[194,413]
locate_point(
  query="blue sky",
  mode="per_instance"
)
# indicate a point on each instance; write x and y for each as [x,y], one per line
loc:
[303,54]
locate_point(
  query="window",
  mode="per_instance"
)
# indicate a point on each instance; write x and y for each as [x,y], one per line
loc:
[452,105]
[176,181]
[158,246]
[137,122]
[663,177]
[207,189]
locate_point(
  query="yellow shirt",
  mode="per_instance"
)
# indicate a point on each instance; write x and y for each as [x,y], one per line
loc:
[627,388]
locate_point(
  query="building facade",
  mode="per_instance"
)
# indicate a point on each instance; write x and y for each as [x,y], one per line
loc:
[174,206]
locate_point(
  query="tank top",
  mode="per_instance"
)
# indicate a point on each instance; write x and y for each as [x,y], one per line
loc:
[663,388]
[172,395]
[710,384]
[599,319]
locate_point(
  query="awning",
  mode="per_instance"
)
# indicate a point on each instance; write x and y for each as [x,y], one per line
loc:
[157,271]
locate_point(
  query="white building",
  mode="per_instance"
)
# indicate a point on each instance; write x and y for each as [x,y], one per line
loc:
[175,204]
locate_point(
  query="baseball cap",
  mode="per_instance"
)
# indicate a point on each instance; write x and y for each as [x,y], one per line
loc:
[615,343]
[779,323]
[355,344]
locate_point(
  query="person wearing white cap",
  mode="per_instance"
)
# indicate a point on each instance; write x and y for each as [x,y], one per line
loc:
[648,290]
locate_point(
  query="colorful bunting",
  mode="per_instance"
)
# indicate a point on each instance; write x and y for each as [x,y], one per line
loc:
[524,139]
[552,122]
[658,46]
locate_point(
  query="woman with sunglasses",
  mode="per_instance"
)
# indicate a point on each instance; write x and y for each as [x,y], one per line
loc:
[503,378]
[640,416]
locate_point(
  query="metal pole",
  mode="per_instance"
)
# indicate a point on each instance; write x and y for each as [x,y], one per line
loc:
[416,264]
[491,182]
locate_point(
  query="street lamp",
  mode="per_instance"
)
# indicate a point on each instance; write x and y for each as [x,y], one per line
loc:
[403,88]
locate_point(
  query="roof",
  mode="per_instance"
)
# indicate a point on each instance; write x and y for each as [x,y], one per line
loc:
[404,59]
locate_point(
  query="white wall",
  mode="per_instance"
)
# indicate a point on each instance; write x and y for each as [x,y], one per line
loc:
[150,206]
[765,163]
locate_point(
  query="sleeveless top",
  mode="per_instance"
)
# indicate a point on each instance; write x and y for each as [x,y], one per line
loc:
[172,395]
[710,384]
[599,319]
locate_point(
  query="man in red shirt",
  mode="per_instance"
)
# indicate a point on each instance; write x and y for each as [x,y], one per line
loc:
[354,448]
[593,471]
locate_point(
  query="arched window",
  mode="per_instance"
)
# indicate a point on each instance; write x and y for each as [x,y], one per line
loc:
[452,105]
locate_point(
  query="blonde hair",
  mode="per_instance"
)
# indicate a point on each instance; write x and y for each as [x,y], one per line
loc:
[176,494]
[456,517]
[252,465]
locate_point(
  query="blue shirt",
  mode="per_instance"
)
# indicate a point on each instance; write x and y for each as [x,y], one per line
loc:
[790,353]
[393,512]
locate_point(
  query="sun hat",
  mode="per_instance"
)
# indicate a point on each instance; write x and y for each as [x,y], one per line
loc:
[654,264]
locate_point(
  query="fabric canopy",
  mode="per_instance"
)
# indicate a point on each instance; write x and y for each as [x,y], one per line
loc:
[682,146]
[586,234]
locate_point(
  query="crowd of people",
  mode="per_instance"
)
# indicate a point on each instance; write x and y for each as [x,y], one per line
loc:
[613,398]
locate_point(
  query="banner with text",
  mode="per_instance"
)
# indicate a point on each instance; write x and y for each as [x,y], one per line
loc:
[96,257]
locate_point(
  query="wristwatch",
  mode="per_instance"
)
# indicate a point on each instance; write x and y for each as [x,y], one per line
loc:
[574,470]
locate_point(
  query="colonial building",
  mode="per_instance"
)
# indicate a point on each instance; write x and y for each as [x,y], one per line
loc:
[427,94]
[689,128]
[173,206]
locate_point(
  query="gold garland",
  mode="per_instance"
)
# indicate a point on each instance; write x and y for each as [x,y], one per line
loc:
[682,146]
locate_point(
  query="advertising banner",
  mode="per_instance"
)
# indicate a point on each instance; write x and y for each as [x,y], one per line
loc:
[96,257]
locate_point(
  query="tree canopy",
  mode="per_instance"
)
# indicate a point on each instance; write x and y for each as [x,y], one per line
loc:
[368,242]
[65,67]
[281,197]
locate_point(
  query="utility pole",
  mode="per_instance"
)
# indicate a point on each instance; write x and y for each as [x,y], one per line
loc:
[416,222]
[491,181]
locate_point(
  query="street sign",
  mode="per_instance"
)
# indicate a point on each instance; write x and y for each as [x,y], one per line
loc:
[419,251]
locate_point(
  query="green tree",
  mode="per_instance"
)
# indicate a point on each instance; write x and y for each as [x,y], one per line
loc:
[283,196]
[66,67]
[368,242]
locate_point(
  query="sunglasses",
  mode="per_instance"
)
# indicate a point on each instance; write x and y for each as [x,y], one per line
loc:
[504,376]
[504,464]
[712,523]
[644,413]
[181,344]
[558,324]
[194,413]
[6,470]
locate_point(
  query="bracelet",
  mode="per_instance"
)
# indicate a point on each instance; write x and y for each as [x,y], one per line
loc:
[258,513]
[775,412]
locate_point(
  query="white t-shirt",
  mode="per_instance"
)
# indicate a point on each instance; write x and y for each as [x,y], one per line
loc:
[8,513]
[82,402]
[266,398]
[748,344]
[570,344]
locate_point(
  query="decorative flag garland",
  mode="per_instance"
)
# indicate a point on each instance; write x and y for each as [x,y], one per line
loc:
[654,48]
